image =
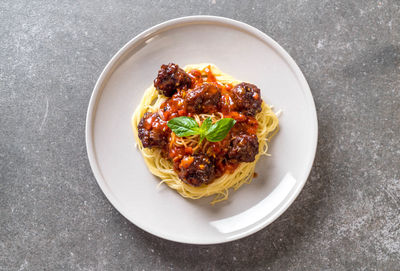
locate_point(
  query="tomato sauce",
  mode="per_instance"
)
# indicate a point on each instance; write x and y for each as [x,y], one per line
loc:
[176,106]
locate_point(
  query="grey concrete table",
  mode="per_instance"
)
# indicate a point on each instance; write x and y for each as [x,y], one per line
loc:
[55,217]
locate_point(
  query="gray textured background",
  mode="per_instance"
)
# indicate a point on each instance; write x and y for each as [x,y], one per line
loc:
[55,217]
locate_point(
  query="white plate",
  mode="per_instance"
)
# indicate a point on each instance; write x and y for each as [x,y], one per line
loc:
[239,50]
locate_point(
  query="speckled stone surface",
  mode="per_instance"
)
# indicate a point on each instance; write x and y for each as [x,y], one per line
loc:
[53,215]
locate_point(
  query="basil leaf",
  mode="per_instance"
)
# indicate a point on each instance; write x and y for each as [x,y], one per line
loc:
[206,125]
[204,128]
[184,126]
[220,129]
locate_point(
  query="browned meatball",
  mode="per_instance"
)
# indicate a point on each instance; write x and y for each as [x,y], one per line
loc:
[203,99]
[153,131]
[170,78]
[247,98]
[196,169]
[243,148]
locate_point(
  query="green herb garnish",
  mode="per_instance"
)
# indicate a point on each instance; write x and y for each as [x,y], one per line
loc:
[186,126]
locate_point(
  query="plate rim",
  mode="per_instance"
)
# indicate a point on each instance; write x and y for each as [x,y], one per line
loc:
[109,69]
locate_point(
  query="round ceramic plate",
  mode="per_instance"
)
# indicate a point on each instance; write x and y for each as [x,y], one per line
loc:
[241,51]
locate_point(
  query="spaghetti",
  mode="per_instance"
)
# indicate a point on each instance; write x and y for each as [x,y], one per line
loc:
[266,125]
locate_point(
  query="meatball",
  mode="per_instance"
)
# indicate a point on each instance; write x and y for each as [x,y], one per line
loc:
[203,99]
[196,169]
[170,78]
[247,98]
[153,131]
[243,148]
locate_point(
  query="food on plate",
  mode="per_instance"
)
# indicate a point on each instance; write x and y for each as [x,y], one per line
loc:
[201,131]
